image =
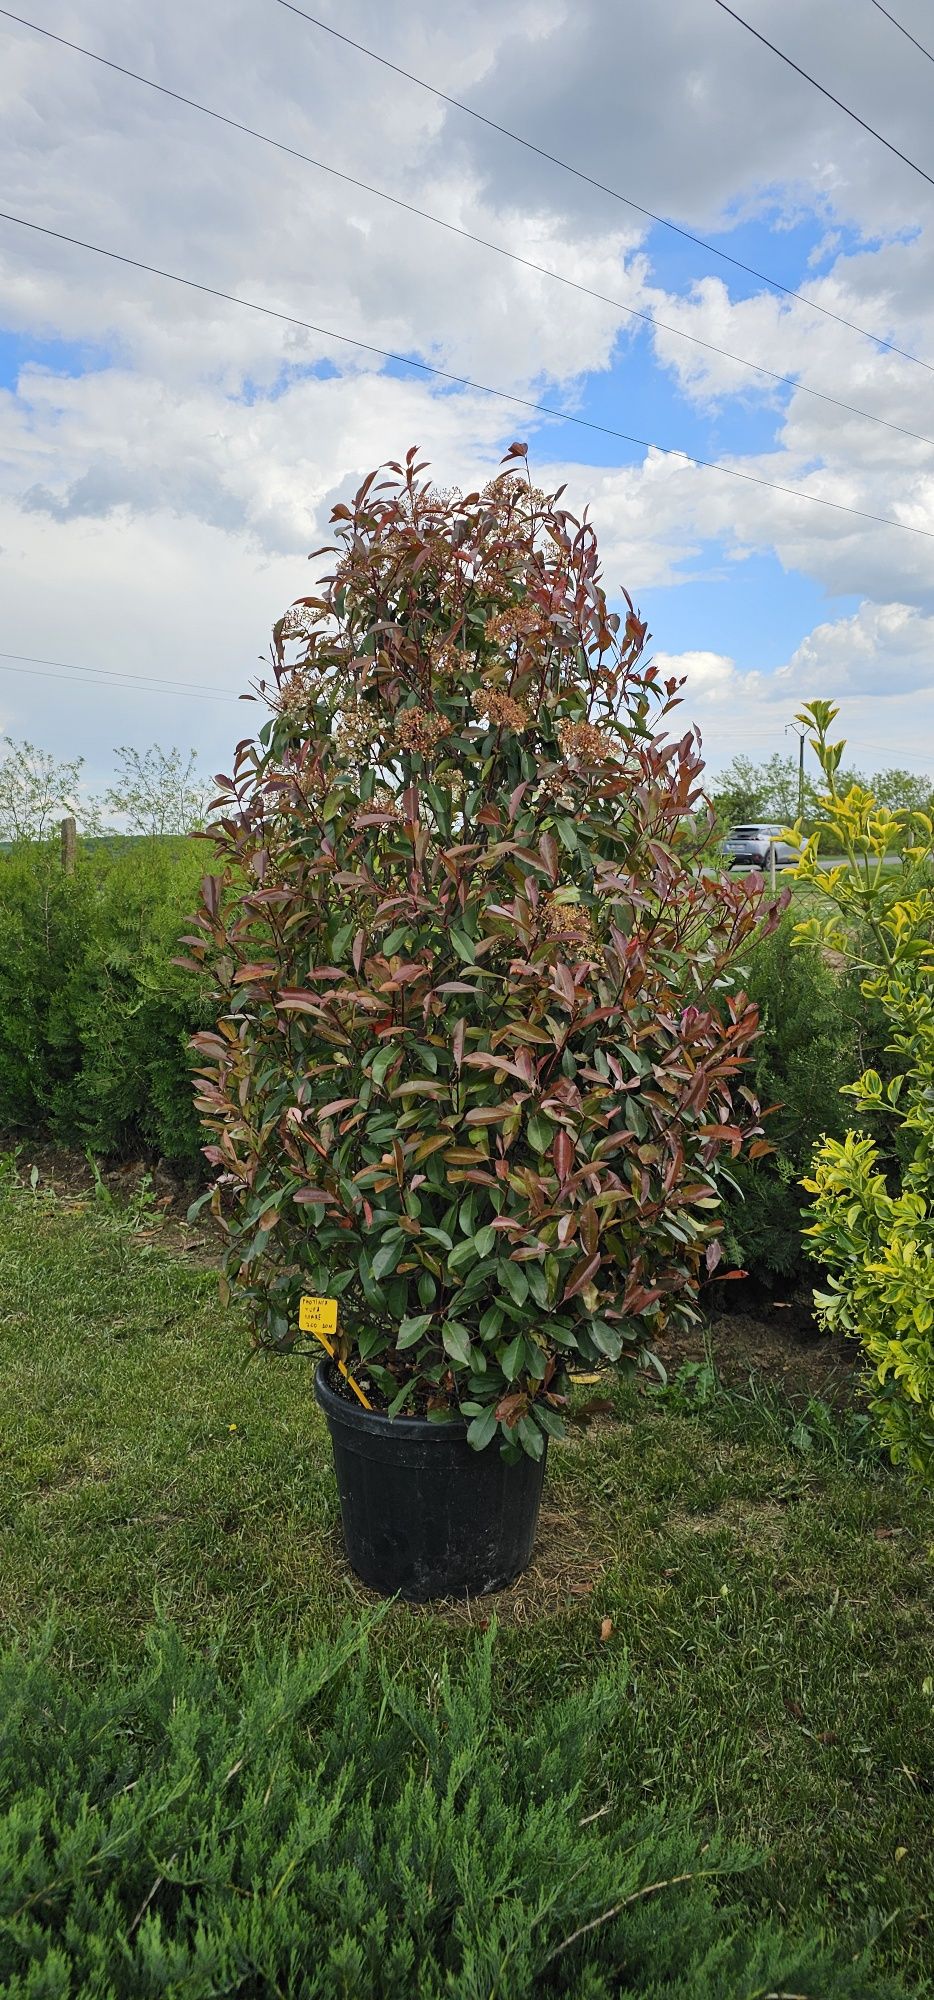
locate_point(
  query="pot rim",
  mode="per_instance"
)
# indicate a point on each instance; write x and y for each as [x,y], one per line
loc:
[451,1430]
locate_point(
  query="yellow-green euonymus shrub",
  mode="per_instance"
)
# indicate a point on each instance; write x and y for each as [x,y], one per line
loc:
[873,1203]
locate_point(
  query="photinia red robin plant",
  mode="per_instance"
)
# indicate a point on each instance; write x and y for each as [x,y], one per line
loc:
[478,1044]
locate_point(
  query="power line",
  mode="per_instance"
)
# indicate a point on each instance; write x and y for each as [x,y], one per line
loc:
[468,235]
[808,78]
[903,30]
[753,740]
[123,673]
[764,734]
[590,180]
[466,381]
[749,738]
[104,676]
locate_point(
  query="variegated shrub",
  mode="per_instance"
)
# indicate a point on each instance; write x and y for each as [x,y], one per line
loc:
[873,1226]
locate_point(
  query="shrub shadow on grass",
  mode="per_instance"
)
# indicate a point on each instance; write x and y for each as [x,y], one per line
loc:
[570,1559]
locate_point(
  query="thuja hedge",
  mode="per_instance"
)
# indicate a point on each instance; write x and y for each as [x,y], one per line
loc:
[94,1018]
[315,1827]
[817,1031]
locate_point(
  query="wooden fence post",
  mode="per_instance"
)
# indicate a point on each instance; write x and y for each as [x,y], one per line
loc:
[69,845]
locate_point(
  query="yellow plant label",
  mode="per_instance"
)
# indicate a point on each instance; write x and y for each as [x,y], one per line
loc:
[318,1316]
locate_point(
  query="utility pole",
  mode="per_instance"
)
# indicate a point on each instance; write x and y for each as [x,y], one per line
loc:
[801,735]
[69,833]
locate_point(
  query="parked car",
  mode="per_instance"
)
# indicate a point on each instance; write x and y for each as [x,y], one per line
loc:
[748,846]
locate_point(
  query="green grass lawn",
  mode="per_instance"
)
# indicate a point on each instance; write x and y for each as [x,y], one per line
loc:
[772,1625]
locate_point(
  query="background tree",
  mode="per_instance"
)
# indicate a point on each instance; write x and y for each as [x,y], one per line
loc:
[745,791]
[158,792]
[737,792]
[900,791]
[36,790]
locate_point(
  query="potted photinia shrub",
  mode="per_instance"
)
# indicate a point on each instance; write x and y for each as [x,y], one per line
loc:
[478,1037]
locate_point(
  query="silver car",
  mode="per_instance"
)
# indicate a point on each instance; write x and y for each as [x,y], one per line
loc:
[748,846]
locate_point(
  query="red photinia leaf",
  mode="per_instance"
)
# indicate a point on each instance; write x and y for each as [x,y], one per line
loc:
[581,1276]
[548,849]
[516,798]
[562,1153]
[511,1408]
[208,1044]
[482,1060]
[637,1297]
[250,972]
[211,886]
[589,1229]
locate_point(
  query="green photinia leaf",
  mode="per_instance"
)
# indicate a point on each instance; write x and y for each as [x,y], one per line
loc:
[512,1357]
[457,1344]
[513,1277]
[412,1330]
[483,1429]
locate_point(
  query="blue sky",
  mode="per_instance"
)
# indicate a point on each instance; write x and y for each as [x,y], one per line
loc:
[166,461]
[63,357]
[755,610]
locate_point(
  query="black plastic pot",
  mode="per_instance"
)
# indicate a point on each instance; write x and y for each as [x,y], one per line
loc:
[424,1514]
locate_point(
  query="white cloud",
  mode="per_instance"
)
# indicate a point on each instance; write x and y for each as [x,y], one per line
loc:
[712,677]
[878,665]
[884,650]
[683,111]
[100,157]
[92,446]
[164,500]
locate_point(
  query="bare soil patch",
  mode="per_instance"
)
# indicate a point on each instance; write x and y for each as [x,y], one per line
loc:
[776,1340]
[161,1197]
